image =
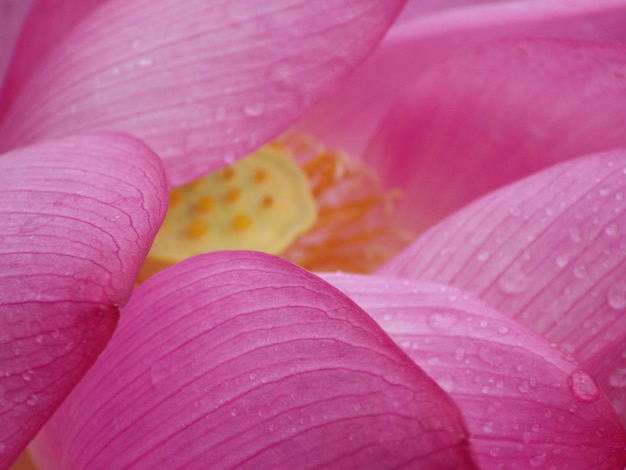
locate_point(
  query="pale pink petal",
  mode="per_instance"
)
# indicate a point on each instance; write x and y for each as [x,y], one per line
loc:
[46,24]
[242,360]
[549,251]
[495,115]
[415,8]
[202,82]
[527,403]
[77,216]
[349,117]
[12,15]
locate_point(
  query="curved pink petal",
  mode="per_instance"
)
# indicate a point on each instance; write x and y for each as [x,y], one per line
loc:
[242,360]
[12,15]
[495,115]
[349,117]
[415,8]
[202,82]
[77,216]
[45,25]
[527,403]
[549,251]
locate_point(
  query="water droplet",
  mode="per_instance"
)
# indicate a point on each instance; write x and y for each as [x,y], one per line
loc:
[488,427]
[580,272]
[503,329]
[442,320]
[583,386]
[32,400]
[604,191]
[145,62]
[28,375]
[483,256]
[514,281]
[39,339]
[617,295]
[537,460]
[234,412]
[575,234]
[459,354]
[562,260]
[255,109]
[611,230]
[159,371]
[617,378]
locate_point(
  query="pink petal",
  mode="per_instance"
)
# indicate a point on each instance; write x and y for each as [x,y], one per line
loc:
[46,24]
[527,403]
[549,251]
[12,14]
[495,115]
[202,82]
[77,217]
[415,8]
[349,117]
[242,360]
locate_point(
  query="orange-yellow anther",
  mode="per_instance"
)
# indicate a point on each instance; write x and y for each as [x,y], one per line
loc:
[197,228]
[267,202]
[205,204]
[241,222]
[260,175]
[176,197]
[232,195]
[228,173]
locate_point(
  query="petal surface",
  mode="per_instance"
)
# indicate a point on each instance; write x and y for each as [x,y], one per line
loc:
[498,114]
[77,216]
[12,15]
[549,251]
[527,403]
[242,360]
[349,117]
[202,82]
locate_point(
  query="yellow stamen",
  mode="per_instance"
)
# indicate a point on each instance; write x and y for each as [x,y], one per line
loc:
[197,228]
[232,195]
[241,222]
[313,205]
[205,204]
[176,197]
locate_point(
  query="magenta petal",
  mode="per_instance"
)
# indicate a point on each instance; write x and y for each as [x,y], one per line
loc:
[527,403]
[202,82]
[242,360]
[77,216]
[497,114]
[12,15]
[349,117]
[549,251]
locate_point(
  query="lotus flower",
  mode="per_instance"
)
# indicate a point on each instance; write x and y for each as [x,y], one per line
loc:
[492,341]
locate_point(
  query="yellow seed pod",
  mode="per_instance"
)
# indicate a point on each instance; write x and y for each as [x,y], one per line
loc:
[262,202]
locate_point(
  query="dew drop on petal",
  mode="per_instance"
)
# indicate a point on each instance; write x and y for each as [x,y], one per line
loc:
[32,400]
[254,109]
[617,295]
[580,272]
[562,260]
[583,386]
[575,234]
[442,321]
[617,378]
[514,281]
[611,230]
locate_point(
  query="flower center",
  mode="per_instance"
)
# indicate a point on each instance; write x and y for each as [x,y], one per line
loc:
[294,197]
